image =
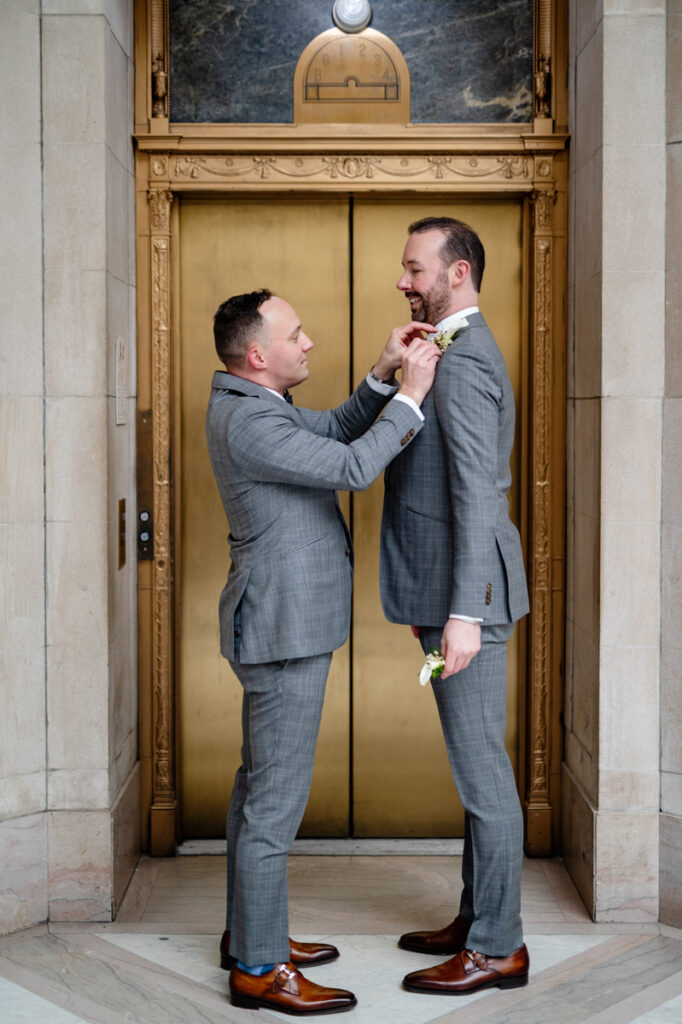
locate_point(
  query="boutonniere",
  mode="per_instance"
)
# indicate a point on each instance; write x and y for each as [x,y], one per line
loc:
[433,666]
[445,338]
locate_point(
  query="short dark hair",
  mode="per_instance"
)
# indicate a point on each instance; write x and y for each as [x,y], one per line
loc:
[235,323]
[460,243]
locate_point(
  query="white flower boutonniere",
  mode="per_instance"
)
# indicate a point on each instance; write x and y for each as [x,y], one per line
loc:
[445,338]
[433,666]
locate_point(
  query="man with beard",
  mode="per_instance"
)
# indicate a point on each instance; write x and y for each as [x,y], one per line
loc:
[452,567]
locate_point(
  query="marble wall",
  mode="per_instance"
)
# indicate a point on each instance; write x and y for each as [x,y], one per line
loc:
[68,745]
[671,540]
[469,61]
[610,795]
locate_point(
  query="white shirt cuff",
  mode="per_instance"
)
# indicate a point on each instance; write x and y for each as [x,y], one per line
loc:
[465,618]
[411,403]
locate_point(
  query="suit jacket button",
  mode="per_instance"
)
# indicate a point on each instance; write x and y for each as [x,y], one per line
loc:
[237,634]
[347,552]
[489,593]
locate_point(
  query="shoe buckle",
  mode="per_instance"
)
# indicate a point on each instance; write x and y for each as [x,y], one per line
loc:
[284,977]
[477,960]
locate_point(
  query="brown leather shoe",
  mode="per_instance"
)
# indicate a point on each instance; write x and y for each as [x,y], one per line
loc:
[449,940]
[470,971]
[285,989]
[303,954]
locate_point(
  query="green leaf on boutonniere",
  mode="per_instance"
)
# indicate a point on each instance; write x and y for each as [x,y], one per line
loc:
[433,666]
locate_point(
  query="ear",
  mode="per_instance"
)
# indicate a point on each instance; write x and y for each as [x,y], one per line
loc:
[458,272]
[255,358]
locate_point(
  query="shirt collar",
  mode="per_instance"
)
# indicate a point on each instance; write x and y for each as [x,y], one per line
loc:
[443,325]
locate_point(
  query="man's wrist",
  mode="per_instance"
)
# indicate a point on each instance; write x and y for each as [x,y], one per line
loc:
[414,394]
[378,374]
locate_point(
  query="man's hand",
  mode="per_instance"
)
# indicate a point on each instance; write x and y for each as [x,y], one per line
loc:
[392,354]
[460,643]
[419,368]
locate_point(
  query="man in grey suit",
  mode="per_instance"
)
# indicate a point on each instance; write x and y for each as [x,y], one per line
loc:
[452,567]
[286,604]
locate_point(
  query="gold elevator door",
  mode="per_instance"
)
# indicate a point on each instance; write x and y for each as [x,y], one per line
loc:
[381,767]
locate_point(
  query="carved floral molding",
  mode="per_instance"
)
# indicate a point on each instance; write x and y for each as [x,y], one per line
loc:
[355,168]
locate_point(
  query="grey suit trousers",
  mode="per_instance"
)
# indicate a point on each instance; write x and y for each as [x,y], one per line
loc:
[281,710]
[472,709]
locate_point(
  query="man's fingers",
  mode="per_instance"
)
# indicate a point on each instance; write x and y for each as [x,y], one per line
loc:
[457,661]
[421,350]
[412,331]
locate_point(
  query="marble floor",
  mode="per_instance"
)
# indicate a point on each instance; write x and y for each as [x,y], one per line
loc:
[157,963]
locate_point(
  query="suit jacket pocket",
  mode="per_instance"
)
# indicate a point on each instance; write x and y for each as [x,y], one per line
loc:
[303,547]
[428,515]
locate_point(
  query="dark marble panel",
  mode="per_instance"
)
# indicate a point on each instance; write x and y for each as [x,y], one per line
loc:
[234,60]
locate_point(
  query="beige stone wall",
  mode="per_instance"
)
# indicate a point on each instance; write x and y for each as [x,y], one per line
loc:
[610,791]
[671,538]
[23,753]
[68,761]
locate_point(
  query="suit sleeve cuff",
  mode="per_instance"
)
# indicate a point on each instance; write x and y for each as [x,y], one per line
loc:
[383,387]
[412,404]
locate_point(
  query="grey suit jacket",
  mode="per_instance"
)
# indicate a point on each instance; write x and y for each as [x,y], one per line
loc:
[278,467]
[448,545]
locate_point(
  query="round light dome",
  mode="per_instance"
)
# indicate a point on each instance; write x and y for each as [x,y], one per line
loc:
[351,15]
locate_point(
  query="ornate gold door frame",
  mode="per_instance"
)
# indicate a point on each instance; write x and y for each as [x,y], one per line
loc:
[527,162]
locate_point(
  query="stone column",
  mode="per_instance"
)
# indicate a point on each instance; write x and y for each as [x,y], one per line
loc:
[23,822]
[616,364]
[69,789]
[87,71]
[671,576]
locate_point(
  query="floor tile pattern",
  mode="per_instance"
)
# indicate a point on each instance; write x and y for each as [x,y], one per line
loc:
[157,964]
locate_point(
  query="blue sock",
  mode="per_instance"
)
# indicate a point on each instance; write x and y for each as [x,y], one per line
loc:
[258,969]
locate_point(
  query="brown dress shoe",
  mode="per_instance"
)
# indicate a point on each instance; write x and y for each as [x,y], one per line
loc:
[303,954]
[470,971]
[449,940]
[285,989]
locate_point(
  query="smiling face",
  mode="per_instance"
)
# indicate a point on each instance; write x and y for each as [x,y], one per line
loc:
[285,348]
[426,280]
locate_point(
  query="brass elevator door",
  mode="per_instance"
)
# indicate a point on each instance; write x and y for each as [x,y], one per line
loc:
[381,767]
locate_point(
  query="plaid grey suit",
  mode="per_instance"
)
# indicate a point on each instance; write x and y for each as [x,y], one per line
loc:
[284,609]
[449,547]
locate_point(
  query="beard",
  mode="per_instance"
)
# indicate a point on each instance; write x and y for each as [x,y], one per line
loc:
[433,305]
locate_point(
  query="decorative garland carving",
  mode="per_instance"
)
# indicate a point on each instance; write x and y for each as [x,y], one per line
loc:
[540,575]
[542,78]
[500,168]
[163,787]
[159,41]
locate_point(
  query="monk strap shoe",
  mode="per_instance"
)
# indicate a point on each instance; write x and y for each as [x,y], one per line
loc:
[285,989]
[470,971]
